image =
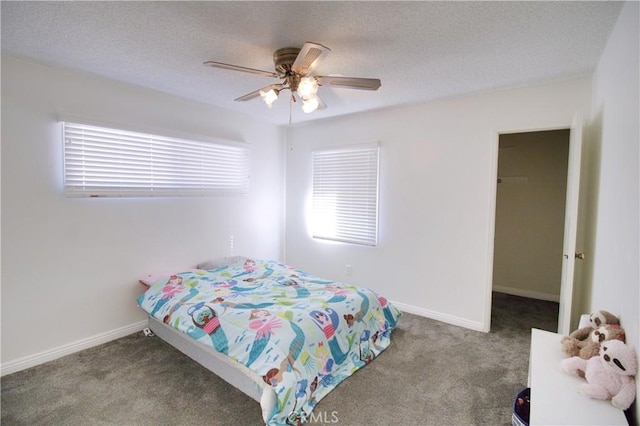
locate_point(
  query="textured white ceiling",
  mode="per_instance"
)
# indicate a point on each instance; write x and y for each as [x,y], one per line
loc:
[420,50]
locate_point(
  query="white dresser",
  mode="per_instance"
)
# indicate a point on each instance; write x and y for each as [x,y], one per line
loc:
[555,399]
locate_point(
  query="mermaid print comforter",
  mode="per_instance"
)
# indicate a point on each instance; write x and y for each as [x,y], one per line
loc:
[302,334]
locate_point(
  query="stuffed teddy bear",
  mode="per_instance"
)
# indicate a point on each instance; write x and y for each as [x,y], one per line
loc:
[586,349]
[582,336]
[600,318]
[608,376]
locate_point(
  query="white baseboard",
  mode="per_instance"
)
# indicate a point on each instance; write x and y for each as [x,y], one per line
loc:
[55,353]
[527,293]
[438,316]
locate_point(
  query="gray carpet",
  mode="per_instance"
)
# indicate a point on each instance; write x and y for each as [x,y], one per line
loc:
[432,374]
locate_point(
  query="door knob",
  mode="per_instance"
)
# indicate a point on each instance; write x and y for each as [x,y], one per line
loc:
[580,256]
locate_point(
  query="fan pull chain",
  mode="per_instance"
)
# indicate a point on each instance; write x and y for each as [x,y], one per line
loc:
[291,108]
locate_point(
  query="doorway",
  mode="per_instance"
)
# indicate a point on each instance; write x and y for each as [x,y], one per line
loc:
[530,214]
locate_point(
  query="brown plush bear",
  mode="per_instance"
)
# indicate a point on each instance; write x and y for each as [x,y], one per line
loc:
[600,318]
[582,336]
[586,349]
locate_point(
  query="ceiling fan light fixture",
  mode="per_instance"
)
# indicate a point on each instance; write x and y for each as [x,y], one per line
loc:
[310,104]
[307,88]
[269,97]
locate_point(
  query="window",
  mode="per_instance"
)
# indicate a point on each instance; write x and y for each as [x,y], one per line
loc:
[345,194]
[102,162]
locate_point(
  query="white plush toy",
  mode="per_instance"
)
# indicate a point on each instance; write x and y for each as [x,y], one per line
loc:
[609,376]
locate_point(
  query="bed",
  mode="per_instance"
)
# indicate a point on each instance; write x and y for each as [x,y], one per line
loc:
[282,336]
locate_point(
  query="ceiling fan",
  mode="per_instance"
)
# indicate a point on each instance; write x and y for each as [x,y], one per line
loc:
[294,67]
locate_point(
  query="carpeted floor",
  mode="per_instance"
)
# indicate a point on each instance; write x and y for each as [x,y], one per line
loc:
[432,374]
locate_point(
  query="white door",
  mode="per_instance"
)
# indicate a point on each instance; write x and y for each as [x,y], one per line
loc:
[570,226]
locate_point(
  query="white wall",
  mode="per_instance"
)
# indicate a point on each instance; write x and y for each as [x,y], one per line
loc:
[437,195]
[616,216]
[70,266]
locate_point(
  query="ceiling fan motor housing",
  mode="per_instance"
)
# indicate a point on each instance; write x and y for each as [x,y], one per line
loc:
[284,58]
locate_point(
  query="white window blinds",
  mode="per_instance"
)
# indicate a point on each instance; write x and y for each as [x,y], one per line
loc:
[103,162]
[345,194]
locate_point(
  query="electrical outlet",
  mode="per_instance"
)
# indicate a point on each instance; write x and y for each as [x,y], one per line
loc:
[348,270]
[231,245]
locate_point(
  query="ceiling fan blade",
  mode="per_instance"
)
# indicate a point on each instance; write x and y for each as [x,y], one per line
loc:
[349,82]
[239,68]
[256,93]
[309,57]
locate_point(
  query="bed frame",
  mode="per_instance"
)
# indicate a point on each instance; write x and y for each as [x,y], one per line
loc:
[224,367]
